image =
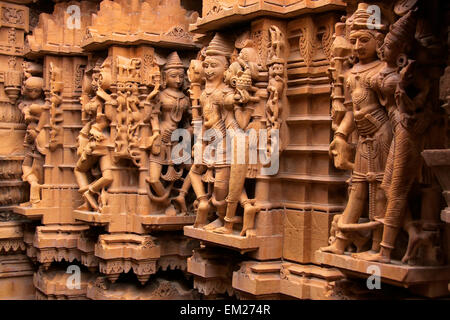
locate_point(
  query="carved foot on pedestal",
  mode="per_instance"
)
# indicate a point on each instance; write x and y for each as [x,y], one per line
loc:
[371,256]
[89,197]
[25,204]
[180,202]
[202,214]
[332,249]
[250,212]
[170,211]
[213,225]
[226,229]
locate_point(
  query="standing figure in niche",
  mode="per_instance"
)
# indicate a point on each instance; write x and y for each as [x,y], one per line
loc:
[239,76]
[32,107]
[170,112]
[216,101]
[369,118]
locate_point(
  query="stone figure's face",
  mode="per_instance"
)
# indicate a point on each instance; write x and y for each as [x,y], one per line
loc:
[389,51]
[120,86]
[364,45]
[129,87]
[33,88]
[33,93]
[174,78]
[214,68]
[276,69]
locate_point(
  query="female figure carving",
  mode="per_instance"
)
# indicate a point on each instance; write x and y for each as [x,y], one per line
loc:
[170,111]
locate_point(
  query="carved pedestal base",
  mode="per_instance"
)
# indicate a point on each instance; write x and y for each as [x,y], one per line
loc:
[165,222]
[427,281]
[55,207]
[86,246]
[54,243]
[264,242]
[439,161]
[265,279]
[175,250]
[91,217]
[56,284]
[212,270]
[122,252]
[16,277]
[134,223]
[11,237]
[157,289]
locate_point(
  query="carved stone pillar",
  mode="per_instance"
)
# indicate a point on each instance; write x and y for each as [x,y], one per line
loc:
[15,268]
[55,43]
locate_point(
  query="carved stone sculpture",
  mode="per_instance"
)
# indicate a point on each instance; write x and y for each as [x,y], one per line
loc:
[259,150]
[409,117]
[32,107]
[367,116]
[170,112]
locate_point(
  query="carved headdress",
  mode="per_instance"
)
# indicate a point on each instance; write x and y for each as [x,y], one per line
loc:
[219,46]
[365,19]
[173,62]
[403,30]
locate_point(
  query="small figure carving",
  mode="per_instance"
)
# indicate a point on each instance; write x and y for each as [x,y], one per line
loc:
[128,67]
[56,87]
[32,106]
[93,139]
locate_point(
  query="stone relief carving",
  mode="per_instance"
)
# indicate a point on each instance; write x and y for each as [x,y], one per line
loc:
[389,106]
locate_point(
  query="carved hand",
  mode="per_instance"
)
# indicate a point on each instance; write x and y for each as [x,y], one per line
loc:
[154,92]
[98,136]
[31,135]
[342,153]
[149,141]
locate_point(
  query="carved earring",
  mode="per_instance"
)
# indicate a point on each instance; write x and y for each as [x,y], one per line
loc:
[402,60]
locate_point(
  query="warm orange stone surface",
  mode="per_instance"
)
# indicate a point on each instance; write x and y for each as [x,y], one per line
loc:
[343,173]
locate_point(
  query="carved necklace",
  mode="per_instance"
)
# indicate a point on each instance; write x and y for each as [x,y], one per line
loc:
[176,111]
[362,82]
